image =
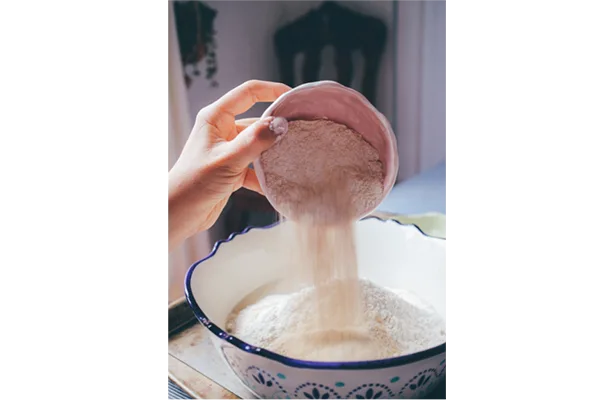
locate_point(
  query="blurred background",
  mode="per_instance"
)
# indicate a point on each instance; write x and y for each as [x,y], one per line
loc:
[392,52]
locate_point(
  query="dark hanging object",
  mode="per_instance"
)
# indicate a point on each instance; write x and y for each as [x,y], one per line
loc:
[196,34]
[346,31]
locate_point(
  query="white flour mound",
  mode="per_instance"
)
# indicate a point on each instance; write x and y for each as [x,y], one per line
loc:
[392,323]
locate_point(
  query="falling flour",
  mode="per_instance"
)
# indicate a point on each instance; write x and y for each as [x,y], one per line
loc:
[323,176]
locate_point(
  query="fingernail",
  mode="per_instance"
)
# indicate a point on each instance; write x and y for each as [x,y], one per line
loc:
[278,125]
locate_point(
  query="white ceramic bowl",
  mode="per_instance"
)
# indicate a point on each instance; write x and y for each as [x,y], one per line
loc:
[389,254]
[333,101]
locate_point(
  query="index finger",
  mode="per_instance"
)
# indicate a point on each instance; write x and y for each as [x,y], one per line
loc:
[243,97]
[241,124]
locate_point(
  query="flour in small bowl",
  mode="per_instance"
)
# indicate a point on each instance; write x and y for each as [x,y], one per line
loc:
[393,323]
[323,170]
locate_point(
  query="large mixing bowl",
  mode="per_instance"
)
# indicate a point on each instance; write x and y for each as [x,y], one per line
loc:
[389,254]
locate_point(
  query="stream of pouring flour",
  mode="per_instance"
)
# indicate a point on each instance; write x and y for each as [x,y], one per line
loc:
[323,175]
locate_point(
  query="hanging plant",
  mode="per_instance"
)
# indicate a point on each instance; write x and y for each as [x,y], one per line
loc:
[196,34]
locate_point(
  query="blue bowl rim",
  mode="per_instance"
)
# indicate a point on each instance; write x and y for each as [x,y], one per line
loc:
[292,362]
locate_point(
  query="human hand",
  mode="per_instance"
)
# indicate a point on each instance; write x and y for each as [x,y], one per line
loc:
[214,161]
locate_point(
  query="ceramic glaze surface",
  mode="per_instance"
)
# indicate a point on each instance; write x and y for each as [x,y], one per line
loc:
[338,103]
[272,380]
[389,254]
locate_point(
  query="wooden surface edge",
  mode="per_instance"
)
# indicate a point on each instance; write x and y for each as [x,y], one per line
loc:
[177,367]
[194,383]
[181,316]
[177,302]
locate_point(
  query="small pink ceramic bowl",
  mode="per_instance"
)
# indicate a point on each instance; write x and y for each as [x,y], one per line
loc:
[338,103]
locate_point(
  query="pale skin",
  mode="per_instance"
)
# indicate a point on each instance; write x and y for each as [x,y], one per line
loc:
[214,161]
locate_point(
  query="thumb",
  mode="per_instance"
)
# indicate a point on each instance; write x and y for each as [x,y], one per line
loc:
[248,145]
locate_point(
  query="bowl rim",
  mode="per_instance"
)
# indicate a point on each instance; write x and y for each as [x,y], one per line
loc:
[293,362]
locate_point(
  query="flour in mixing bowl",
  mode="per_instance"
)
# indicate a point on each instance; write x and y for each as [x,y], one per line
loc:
[394,323]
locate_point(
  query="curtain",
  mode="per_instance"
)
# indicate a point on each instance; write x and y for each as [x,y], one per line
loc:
[180,124]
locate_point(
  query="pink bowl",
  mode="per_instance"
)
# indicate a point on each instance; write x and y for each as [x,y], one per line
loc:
[338,103]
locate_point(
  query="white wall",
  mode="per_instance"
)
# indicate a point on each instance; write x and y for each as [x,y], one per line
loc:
[244,35]
[421,85]
[433,98]
[408,69]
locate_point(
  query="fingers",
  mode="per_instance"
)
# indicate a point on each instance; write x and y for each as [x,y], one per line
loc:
[251,181]
[248,145]
[243,97]
[242,124]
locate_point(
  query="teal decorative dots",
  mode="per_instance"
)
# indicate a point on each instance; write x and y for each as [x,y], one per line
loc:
[281,376]
[339,384]
[395,379]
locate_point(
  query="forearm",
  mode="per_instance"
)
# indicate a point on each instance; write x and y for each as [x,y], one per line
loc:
[179,229]
[184,204]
